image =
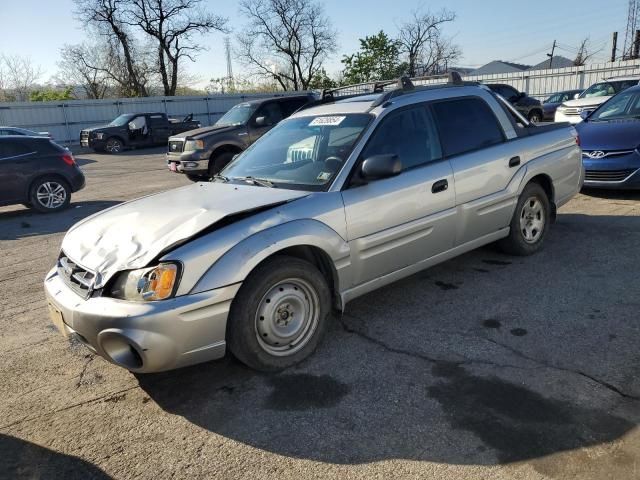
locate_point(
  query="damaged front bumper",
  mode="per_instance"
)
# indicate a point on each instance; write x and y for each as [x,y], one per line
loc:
[144,336]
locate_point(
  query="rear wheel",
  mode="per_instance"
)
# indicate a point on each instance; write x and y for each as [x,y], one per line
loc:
[114,145]
[280,314]
[529,223]
[49,194]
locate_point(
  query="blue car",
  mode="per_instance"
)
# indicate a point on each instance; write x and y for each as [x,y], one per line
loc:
[610,140]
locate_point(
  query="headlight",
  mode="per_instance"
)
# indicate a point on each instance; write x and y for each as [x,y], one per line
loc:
[146,284]
[562,108]
[99,136]
[194,145]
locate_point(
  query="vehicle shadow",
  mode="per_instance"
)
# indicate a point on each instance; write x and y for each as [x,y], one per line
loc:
[612,194]
[25,222]
[84,161]
[457,364]
[21,459]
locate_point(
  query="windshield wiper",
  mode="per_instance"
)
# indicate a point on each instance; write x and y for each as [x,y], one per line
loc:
[217,176]
[262,182]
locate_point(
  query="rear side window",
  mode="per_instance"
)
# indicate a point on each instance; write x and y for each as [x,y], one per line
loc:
[409,133]
[465,125]
[155,120]
[10,148]
[291,105]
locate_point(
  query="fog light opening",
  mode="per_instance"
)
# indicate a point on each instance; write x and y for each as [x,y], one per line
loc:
[123,353]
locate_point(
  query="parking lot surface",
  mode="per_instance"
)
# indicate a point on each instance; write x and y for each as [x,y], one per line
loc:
[484,367]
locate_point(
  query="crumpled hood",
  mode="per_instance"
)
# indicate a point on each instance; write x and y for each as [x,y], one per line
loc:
[586,102]
[132,234]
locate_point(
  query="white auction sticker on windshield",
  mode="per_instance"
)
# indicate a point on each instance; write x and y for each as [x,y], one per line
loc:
[326,121]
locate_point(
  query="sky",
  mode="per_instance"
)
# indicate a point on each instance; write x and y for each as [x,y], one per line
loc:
[510,30]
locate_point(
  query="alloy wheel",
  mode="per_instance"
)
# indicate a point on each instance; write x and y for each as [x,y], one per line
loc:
[51,195]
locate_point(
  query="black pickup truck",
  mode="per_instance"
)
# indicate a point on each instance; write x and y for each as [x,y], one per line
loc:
[202,153]
[135,130]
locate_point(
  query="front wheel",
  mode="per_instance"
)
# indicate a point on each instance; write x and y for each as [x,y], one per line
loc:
[49,194]
[535,116]
[114,145]
[280,314]
[218,162]
[529,223]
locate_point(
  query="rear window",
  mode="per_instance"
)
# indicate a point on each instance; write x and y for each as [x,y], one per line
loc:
[465,125]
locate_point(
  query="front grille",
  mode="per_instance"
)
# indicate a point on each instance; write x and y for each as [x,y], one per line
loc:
[84,135]
[576,110]
[76,277]
[607,175]
[176,146]
[605,154]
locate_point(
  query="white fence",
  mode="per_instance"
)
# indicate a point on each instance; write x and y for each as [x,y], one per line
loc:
[64,120]
[542,83]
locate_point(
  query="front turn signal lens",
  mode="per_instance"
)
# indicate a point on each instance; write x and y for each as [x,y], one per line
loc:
[147,284]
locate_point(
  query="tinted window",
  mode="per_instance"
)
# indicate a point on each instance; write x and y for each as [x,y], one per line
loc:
[410,134]
[155,120]
[271,111]
[290,106]
[9,148]
[466,124]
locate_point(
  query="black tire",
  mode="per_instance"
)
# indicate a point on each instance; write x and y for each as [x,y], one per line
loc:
[219,161]
[49,194]
[196,178]
[535,116]
[113,145]
[254,339]
[536,225]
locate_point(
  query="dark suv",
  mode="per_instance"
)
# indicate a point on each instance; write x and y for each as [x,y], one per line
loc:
[38,173]
[528,106]
[202,153]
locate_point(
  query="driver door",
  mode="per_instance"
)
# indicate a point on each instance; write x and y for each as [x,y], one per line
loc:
[271,113]
[396,222]
[138,130]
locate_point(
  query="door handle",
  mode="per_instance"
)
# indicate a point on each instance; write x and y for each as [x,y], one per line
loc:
[514,162]
[440,186]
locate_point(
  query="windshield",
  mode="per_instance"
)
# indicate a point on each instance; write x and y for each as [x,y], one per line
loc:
[599,90]
[121,120]
[238,115]
[300,153]
[625,105]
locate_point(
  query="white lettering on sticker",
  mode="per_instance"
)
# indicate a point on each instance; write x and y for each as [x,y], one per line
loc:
[326,121]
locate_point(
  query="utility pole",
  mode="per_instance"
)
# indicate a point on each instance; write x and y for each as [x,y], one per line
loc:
[227,48]
[550,55]
[615,46]
[633,19]
[636,45]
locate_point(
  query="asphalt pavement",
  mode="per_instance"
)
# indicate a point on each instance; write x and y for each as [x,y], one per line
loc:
[484,367]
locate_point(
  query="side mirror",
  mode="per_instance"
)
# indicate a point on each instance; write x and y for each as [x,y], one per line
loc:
[381,166]
[262,122]
[131,126]
[576,96]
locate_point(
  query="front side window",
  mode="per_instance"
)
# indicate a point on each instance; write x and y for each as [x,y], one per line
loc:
[138,123]
[557,98]
[300,153]
[466,124]
[409,133]
[271,112]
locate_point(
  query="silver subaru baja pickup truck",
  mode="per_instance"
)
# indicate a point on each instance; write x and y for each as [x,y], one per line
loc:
[344,197]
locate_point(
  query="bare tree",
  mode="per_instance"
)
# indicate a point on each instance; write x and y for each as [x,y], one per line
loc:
[422,41]
[106,16]
[20,75]
[172,25]
[585,53]
[285,40]
[84,65]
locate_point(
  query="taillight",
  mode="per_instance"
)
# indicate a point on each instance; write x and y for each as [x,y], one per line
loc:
[578,140]
[68,159]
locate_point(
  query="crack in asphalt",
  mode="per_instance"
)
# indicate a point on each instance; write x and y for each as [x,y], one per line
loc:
[68,407]
[90,358]
[468,361]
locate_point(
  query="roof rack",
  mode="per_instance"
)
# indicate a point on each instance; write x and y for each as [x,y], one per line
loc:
[403,85]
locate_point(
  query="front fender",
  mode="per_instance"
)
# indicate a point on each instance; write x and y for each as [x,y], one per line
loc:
[238,262]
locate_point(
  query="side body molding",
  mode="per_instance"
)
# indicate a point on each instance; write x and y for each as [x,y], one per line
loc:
[239,261]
